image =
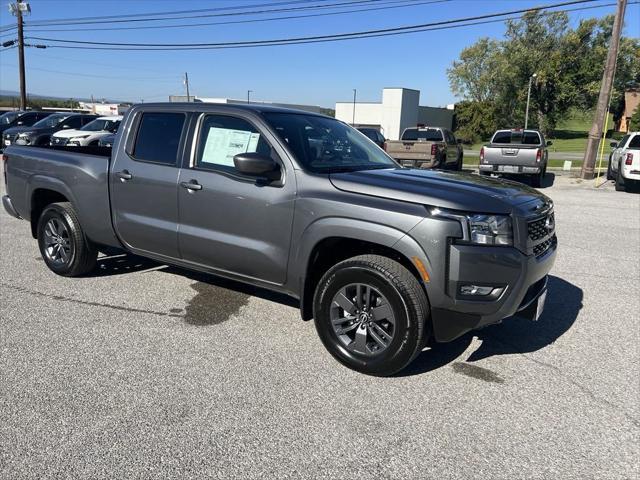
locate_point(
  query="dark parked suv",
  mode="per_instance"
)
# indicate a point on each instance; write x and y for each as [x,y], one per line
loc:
[40,132]
[384,258]
[20,119]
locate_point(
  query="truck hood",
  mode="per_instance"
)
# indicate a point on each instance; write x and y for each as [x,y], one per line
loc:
[456,191]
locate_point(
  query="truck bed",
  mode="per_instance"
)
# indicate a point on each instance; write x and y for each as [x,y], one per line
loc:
[414,153]
[31,171]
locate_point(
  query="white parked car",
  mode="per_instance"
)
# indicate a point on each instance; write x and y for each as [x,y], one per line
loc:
[89,134]
[624,161]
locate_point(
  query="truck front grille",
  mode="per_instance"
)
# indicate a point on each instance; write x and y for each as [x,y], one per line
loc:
[58,141]
[542,227]
[541,248]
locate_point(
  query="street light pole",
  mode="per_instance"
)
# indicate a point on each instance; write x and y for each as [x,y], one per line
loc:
[353,121]
[526,115]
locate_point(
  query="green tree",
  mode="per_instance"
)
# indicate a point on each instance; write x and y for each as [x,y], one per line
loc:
[568,64]
[634,123]
[475,121]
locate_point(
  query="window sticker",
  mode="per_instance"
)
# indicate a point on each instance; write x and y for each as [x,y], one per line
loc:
[223,144]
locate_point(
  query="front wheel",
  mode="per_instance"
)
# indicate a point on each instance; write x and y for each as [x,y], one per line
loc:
[371,314]
[63,245]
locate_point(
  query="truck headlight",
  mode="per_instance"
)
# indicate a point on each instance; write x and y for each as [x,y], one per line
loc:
[490,229]
[481,229]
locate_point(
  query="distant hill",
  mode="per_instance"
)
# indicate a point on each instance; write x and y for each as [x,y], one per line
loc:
[12,93]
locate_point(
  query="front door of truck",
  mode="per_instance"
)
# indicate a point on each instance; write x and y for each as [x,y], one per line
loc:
[229,221]
[144,184]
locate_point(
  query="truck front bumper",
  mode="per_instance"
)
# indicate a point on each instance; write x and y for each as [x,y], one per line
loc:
[8,206]
[516,280]
[510,169]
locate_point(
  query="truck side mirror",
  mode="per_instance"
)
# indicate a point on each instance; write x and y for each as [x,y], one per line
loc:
[459,141]
[613,144]
[549,143]
[257,165]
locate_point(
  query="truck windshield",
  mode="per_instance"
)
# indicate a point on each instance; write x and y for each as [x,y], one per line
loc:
[8,117]
[325,145]
[422,134]
[51,120]
[517,136]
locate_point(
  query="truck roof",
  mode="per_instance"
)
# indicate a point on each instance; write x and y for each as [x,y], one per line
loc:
[204,106]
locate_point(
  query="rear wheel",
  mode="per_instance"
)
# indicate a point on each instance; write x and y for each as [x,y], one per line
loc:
[63,245]
[538,179]
[460,162]
[370,313]
[620,183]
[610,175]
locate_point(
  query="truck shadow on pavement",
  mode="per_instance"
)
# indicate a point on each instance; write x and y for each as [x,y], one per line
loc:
[513,335]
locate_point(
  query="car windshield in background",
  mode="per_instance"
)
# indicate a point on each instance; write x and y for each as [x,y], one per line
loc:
[519,138]
[101,125]
[51,120]
[324,145]
[424,134]
[8,117]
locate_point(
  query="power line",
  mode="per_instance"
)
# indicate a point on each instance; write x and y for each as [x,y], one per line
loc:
[178,12]
[446,27]
[176,78]
[310,39]
[388,5]
[342,4]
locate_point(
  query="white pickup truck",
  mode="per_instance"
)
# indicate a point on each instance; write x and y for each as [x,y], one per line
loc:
[624,161]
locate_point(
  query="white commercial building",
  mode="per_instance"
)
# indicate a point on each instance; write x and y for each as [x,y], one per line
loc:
[400,108]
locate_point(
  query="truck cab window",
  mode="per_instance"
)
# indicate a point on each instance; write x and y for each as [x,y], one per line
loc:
[158,137]
[222,137]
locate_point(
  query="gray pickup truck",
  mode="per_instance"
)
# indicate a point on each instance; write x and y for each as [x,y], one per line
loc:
[384,259]
[516,152]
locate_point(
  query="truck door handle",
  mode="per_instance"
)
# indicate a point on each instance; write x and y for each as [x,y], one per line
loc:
[192,185]
[124,175]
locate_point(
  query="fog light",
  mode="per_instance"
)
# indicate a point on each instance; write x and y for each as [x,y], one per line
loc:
[477,290]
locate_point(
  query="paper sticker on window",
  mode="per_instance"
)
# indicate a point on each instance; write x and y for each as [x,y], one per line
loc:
[223,144]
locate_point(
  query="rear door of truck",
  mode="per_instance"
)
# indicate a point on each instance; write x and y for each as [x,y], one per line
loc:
[144,181]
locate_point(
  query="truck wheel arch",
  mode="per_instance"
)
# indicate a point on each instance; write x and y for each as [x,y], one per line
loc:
[44,191]
[324,252]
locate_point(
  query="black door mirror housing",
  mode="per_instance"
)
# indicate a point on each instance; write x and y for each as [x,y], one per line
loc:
[549,143]
[257,165]
[613,144]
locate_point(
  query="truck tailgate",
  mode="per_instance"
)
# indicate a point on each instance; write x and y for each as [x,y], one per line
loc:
[510,155]
[400,149]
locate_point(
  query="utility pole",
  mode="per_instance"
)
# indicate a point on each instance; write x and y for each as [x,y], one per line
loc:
[18,9]
[595,134]
[249,96]
[353,120]
[526,115]
[186,82]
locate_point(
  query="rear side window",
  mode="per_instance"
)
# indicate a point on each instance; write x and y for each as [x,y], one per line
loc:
[73,122]
[635,142]
[520,138]
[427,135]
[158,137]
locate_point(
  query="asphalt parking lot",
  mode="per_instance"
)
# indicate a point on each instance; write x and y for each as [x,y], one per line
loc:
[149,371]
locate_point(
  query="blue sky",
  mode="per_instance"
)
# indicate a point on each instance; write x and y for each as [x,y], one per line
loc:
[311,74]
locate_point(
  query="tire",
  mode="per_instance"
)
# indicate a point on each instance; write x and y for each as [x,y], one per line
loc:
[609,171]
[404,315]
[460,162]
[63,245]
[536,180]
[483,173]
[620,183]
